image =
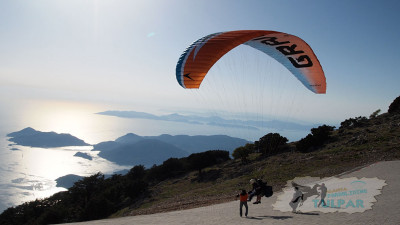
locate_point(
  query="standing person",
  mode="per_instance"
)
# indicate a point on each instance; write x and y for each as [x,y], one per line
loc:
[297,198]
[323,194]
[243,202]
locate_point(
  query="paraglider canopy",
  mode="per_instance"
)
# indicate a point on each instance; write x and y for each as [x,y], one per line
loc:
[291,51]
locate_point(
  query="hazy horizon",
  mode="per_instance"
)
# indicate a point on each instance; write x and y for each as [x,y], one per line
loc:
[61,62]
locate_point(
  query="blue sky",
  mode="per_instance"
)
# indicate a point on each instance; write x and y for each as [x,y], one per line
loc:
[125,52]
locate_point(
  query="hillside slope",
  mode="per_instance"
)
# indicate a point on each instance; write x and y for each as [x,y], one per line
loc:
[377,140]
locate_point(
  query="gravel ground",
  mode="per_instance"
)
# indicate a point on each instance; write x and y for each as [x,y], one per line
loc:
[384,211]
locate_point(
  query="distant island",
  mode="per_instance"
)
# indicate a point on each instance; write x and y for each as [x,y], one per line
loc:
[83,155]
[69,180]
[33,138]
[132,149]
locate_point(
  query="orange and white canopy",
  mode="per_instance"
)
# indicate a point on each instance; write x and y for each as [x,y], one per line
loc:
[291,51]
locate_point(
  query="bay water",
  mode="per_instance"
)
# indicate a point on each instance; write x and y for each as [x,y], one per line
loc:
[28,173]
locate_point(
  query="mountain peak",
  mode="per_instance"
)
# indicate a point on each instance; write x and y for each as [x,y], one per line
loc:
[23,132]
[129,138]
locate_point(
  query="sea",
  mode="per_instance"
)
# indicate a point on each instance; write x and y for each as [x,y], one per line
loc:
[29,173]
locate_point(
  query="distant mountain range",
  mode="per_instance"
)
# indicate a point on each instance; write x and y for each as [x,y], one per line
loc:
[211,120]
[33,138]
[132,149]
